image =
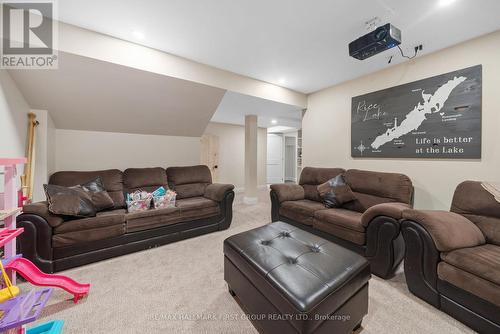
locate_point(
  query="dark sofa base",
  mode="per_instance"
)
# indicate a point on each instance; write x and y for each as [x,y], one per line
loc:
[460,305]
[421,277]
[35,242]
[132,242]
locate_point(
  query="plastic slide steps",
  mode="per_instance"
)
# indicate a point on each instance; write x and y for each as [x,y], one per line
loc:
[32,274]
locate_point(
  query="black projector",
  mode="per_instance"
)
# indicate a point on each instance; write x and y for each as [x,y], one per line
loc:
[381,39]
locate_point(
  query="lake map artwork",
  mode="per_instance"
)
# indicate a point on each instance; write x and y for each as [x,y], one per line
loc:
[438,117]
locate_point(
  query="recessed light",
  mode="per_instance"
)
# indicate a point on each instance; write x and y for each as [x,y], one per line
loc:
[274,121]
[138,34]
[444,3]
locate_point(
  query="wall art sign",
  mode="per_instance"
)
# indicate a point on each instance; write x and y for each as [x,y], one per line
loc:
[438,117]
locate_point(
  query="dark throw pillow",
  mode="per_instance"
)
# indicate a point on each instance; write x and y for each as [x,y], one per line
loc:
[98,194]
[335,192]
[74,202]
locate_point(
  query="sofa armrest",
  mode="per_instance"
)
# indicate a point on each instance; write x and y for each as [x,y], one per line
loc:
[288,192]
[42,209]
[217,191]
[448,230]
[35,243]
[393,210]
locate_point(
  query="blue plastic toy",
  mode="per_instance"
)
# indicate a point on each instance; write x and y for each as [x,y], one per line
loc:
[51,327]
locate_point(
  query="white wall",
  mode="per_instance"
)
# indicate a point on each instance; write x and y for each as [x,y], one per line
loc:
[13,122]
[327,123]
[13,118]
[92,150]
[232,153]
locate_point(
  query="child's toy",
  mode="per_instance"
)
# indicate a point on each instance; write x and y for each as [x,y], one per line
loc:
[32,274]
[159,192]
[164,198]
[51,327]
[10,291]
[23,309]
[138,201]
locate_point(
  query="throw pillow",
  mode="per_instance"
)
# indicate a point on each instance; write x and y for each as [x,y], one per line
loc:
[335,192]
[66,201]
[98,194]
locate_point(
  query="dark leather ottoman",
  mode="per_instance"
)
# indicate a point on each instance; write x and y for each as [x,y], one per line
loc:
[291,281]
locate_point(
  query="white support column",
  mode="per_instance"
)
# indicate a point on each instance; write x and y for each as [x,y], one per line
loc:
[250,159]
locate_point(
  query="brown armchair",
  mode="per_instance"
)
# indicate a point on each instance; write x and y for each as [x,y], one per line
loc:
[369,225]
[452,258]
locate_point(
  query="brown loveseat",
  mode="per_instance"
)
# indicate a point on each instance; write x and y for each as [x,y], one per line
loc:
[369,225]
[56,243]
[453,258]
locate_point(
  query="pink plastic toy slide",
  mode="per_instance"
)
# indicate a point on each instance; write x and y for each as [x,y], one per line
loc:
[32,274]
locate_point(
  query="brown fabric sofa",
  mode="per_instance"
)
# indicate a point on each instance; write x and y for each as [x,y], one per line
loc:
[369,225]
[56,243]
[453,258]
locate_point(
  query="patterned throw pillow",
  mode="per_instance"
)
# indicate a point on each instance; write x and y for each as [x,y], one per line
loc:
[335,192]
[98,194]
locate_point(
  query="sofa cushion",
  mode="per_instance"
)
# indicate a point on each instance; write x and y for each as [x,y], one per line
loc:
[147,179]
[85,236]
[482,261]
[69,201]
[312,177]
[197,208]
[102,219]
[194,203]
[372,188]
[145,220]
[301,211]
[479,206]
[395,186]
[112,180]
[340,232]
[335,192]
[341,217]
[469,282]
[189,181]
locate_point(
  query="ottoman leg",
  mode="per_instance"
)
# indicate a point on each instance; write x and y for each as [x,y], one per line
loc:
[231,292]
[358,326]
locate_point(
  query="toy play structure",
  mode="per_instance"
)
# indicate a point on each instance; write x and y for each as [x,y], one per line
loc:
[32,274]
[16,308]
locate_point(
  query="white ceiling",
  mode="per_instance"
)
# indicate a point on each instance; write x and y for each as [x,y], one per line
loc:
[88,94]
[234,107]
[296,44]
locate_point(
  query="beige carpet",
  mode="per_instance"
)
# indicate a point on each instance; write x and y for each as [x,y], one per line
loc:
[179,288]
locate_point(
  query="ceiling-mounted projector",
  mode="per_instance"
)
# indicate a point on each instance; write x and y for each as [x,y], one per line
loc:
[383,38]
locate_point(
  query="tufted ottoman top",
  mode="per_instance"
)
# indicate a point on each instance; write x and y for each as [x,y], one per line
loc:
[303,267]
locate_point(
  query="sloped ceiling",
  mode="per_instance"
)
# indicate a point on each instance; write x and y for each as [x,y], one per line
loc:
[87,94]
